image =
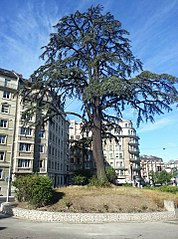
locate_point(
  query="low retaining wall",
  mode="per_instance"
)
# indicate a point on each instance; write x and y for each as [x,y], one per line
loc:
[9,209]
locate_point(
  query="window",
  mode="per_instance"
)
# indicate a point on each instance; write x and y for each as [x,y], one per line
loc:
[49,164]
[6,94]
[25,147]
[5,108]
[26,117]
[41,133]
[41,148]
[1,173]
[110,156]
[40,163]
[3,123]
[25,131]
[120,155]
[2,155]
[49,149]
[121,172]
[3,139]
[24,163]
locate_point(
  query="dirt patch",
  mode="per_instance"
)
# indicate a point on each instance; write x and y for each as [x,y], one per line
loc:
[114,199]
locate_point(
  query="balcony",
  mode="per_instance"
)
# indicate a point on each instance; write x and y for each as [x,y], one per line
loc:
[134,151]
[136,168]
[121,168]
[24,170]
[8,85]
[133,143]
[133,160]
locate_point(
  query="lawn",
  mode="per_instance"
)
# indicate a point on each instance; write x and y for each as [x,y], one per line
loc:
[113,199]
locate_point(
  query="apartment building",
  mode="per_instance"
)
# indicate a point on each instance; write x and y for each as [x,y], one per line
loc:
[80,148]
[122,155]
[28,149]
[171,166]
[150,164]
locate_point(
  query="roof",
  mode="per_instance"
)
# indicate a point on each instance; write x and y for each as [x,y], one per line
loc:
[8,73]
[150,158]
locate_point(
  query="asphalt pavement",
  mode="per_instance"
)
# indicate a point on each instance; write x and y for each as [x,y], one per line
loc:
[12,228]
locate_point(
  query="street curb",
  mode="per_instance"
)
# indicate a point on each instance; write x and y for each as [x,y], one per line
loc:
[10,209]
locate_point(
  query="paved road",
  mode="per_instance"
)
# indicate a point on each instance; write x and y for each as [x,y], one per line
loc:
[11,228]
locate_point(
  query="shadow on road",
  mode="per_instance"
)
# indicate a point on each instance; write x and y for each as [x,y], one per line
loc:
[2,228]
[4,216]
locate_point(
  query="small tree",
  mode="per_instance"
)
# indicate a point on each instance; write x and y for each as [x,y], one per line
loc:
[163,177]
[89,58]
[110,174]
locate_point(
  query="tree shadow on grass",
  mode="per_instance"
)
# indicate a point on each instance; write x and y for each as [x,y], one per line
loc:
[57,196]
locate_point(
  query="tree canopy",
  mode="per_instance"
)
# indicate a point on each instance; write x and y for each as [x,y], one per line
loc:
[89,58]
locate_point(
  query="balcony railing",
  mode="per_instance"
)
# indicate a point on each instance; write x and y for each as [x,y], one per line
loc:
[133,143]
[136,168]
[133,151]
[121,168]
[8,85]
[133,160]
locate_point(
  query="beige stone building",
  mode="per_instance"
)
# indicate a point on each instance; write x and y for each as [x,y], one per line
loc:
[122,155]
[150,164]
[80,153]
[27,149]
[171,166]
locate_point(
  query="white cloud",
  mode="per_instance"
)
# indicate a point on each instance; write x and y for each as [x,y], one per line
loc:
[22,37]
[158,124]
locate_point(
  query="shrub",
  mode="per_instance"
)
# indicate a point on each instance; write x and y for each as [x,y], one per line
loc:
[168,189]
[127,185]
[34,189]
[110,174]
[98,182]
[78,180]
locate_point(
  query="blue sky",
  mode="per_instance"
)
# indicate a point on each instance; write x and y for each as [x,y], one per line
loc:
[25,26]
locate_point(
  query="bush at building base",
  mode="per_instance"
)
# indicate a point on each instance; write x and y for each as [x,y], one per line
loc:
[34,189]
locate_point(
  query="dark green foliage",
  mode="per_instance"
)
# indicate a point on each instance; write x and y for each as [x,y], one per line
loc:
[161,177]
[79,180]
[110,174]
[37,190]
[168,189]
[127,185]
[82,177]
[89,58]
[99,182]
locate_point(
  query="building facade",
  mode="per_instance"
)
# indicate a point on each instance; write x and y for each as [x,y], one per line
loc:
[25,149]
[150,164]
[122,155]
[172,166]
[80,148]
